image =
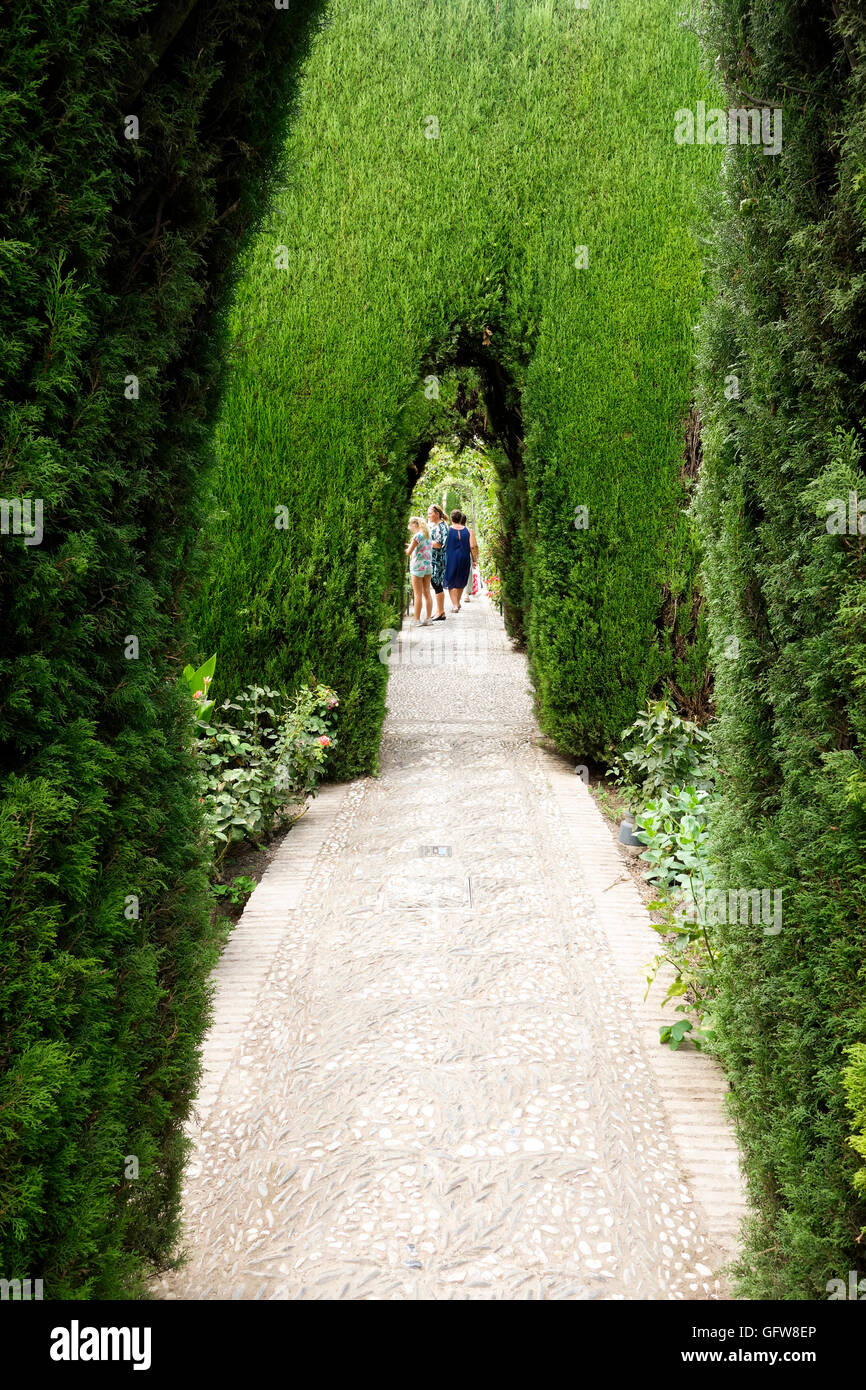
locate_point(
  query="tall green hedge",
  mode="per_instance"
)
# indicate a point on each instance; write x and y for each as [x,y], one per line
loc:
[447,159]
[784,444]
[112,251]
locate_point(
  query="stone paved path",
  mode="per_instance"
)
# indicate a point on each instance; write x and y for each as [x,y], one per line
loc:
[431,1074]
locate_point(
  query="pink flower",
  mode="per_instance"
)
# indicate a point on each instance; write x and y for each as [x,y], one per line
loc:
[325,741]
[197,695]
[332,704]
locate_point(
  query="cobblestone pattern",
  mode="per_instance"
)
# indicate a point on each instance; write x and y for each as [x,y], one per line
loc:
[437,1085]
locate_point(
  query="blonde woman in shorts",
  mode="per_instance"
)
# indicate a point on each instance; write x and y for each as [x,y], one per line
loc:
[420,552]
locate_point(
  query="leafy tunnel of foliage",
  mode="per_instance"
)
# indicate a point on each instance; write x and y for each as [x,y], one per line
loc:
[446,162]
[376,258]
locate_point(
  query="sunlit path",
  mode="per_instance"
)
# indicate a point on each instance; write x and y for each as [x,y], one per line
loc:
[429,1075]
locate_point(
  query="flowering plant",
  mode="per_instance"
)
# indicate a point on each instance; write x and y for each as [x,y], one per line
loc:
[267,751]
[197,682]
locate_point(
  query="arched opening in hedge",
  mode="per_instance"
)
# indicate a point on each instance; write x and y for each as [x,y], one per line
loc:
[465,477]
[478,406]
[415,228]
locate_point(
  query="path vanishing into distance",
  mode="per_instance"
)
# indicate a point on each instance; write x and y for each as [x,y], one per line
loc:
[431,1072]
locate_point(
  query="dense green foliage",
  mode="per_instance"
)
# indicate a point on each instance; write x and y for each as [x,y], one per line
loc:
[854,1078]
[112,250]
[788,619]
[261,756]
[447,160]
[665,770]
[661,750]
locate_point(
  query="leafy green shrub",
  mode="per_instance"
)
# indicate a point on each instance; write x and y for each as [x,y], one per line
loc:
[783,402]
[236,892]
[665,770]
[675,830]
[659,752]
[264,756]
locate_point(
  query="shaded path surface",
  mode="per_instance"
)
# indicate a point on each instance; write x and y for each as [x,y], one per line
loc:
[429,1075]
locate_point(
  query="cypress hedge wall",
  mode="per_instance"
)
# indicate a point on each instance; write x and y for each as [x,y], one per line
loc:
[133,142]
[783,402]
[495,182]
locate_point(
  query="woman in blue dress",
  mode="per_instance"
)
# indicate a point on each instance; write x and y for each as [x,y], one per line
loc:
[458,560]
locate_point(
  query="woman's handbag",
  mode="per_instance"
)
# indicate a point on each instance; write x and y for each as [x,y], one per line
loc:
[476,581]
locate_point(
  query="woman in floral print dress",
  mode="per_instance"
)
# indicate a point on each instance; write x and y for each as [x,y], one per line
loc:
[438,538]
[420,554]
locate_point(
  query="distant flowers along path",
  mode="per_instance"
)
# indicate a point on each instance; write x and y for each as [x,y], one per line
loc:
[430,1073]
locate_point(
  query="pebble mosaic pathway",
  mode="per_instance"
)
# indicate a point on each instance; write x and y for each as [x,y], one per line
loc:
[431,1073]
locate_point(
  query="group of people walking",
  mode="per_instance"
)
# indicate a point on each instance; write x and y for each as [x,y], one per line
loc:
[441,556]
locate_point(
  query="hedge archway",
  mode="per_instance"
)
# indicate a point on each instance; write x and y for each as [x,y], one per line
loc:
[419,221]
